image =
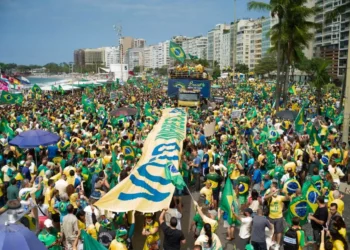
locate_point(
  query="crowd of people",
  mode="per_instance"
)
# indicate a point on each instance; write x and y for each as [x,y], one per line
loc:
[64,180]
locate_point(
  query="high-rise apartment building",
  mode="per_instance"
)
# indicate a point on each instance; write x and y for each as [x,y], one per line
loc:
[266,24]
[139,43]
[95,56]
[180,39]
[79,57]
[112,55]
[135,57]
[226,50]
[215,40]
[196,46]
[126,43]
[332,40]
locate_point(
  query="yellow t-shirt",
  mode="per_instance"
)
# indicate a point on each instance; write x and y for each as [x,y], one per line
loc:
[48,194]
[1,192]
[340,204]
[276,207]
[290,165]
[91,230]
[324,129]
[81,225]
[235,173]
[213,223]
[208,192]
[51,206]
[152,237]
[345,157]
[73,199]
[115,245]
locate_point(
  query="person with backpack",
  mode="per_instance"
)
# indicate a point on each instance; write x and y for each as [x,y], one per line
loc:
[294,237]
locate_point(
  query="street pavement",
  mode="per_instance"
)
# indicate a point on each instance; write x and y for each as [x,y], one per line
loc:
[188,213]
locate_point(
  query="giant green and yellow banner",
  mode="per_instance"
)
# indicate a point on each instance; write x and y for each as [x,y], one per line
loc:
[147,189]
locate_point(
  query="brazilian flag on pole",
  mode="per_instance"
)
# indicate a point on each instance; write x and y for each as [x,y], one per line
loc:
[128,150]
[90,108]
[36,89]
[193,57]
[9,98]
[299,121]
[298,207]
[173,175]
[292,90]
[176,52]
[227,200]
[315,140]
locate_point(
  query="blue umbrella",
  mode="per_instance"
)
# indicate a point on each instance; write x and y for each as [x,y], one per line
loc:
[34,138]
[15,236]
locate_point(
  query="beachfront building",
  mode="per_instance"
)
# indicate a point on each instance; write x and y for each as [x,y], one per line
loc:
[79,57]
[135,58]
[196,46]
[226,50]
[266,24]
[112,55]
[332,40]
[95,56]
[139,43]
[215,40]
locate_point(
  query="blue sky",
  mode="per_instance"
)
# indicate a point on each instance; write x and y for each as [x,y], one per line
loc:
[43,31]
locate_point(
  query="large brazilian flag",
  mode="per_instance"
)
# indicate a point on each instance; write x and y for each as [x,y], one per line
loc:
[298,207]
[176,52]
[311,194]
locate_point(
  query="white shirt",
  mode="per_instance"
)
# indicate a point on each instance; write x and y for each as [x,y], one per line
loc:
[173,212]
[246,228]
[285,177]
[88,215]
[61,186]
[44,208]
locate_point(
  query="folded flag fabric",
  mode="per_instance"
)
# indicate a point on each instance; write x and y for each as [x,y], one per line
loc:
[173,175]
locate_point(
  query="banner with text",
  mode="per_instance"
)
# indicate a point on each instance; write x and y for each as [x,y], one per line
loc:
[147,189]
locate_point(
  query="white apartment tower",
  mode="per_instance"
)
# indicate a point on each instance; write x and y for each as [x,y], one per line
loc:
[215,40]
[112,55]
[196,46]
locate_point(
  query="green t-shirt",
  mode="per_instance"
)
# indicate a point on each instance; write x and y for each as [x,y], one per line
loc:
[214,178]
[63,163]
[12,192]
[49,238]
[199,221]
[185,171]
[42,168]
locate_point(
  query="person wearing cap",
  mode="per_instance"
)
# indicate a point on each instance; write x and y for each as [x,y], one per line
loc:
[50,236]
[207,191]
[246,227]
[119,243]
[151,231]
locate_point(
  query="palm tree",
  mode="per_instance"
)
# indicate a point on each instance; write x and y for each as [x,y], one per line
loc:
[320,77]
[276,7]
[290,35]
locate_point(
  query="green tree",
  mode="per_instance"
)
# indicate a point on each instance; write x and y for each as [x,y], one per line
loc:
[242,68]
[291,34]
[216,70]
[266,65]
[318,70]
[136,69]
[277,9]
